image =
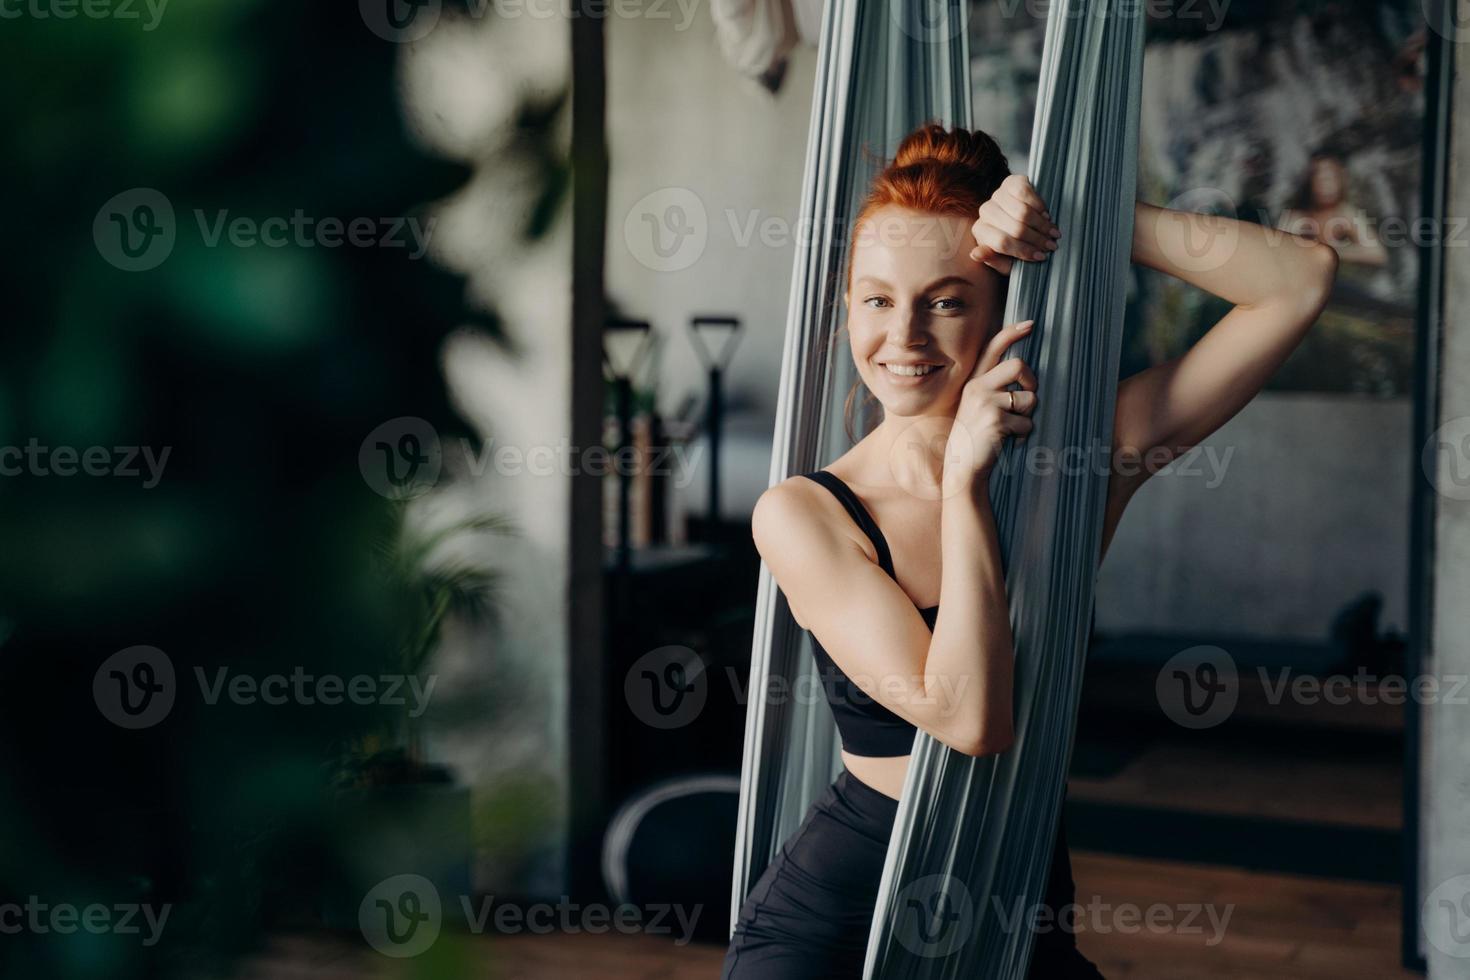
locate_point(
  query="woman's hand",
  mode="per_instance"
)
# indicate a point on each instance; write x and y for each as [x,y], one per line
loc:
[1013,224]
[988,412]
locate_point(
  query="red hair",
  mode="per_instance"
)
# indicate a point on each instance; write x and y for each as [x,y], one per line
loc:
[937,171]
[934,171]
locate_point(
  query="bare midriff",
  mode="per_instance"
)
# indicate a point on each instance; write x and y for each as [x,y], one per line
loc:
[883,773]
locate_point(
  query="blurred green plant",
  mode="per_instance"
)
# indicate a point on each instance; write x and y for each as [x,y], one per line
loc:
[260,370]
[431,591]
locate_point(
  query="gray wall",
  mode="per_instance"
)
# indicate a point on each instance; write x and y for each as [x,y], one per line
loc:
[1292,509]
[685,127]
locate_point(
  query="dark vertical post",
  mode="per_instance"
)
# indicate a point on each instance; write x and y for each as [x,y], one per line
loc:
[625,469]
[713,421]
[586,685]
[658,483]
[1434,170]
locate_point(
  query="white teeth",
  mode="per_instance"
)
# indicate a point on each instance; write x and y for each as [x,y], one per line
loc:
[909,370]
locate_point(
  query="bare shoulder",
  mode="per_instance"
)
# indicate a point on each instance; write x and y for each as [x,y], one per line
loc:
[800,530]
[786,512]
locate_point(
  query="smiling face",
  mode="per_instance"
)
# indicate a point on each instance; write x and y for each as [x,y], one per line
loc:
[919,309]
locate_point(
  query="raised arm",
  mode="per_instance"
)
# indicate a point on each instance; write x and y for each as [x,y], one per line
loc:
[1278,282]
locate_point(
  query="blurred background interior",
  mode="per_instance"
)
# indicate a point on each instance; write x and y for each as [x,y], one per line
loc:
[609,208]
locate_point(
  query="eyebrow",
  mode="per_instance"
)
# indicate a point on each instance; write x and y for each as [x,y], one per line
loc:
[936,284]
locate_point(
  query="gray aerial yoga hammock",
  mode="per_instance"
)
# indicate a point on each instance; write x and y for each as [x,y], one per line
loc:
[972,841]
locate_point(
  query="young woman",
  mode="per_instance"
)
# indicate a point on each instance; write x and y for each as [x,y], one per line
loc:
[889,556]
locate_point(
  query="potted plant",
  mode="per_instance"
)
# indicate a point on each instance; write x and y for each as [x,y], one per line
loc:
[400,812]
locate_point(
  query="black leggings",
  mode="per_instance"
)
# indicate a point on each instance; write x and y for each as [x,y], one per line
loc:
[808,915]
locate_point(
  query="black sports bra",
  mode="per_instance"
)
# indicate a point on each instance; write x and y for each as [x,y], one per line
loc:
[866,726]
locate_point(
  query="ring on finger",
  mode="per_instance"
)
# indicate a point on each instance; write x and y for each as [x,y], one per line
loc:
[1012,406]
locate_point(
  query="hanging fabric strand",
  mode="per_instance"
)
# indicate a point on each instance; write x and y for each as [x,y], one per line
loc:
[882,71]
[973,837]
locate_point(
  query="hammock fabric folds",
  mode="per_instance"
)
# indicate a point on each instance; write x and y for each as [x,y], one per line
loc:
[972,841]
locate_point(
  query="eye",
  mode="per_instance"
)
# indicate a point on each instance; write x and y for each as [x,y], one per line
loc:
[948,304]
[877,302]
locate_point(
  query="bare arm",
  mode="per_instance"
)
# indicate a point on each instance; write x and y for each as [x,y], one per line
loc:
[1277,281]
[946,683]
[956,683]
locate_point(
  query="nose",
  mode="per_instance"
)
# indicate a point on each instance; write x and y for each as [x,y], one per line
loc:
[908,329]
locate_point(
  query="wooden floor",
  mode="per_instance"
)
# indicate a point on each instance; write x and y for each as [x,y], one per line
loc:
[1356,792]
[1275,927]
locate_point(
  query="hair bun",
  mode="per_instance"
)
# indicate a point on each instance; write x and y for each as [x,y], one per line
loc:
[971,149]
